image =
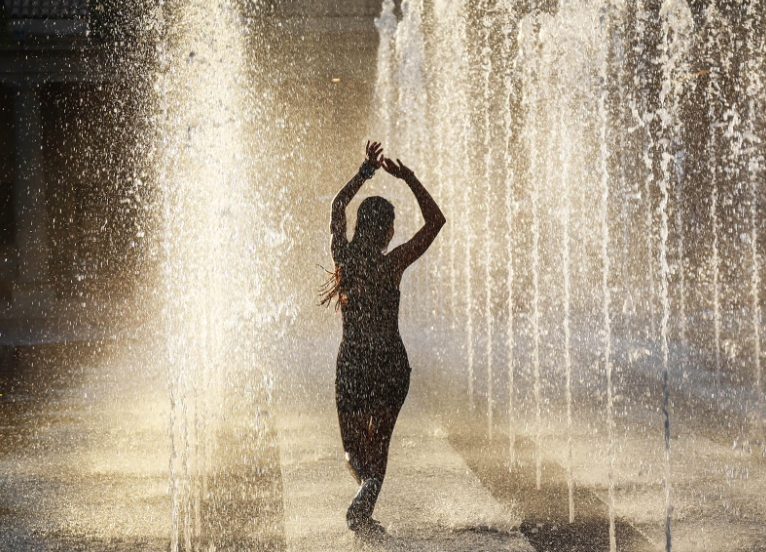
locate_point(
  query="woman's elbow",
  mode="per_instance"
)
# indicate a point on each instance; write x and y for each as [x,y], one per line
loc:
[440,221]
[435,225]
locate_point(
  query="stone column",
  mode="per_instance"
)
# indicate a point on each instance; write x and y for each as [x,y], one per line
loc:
[32,291]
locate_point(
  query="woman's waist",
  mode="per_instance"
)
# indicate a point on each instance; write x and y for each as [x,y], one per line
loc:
[370,327]
[378,340]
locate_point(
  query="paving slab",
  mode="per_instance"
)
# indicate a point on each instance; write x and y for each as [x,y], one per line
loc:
[431,501]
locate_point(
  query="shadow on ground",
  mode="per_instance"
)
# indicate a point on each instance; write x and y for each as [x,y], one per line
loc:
[545,511]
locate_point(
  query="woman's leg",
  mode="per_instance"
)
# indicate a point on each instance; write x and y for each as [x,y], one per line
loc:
[354,434]
[381,429]
[377,438]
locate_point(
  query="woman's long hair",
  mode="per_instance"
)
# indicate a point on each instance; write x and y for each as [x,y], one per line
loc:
[373,223]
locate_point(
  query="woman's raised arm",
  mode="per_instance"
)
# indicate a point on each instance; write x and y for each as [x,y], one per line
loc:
[374,159]
[407,253]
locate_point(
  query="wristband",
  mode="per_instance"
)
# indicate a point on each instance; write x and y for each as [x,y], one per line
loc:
[367,170]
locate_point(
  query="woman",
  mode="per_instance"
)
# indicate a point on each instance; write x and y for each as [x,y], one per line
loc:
[373,373]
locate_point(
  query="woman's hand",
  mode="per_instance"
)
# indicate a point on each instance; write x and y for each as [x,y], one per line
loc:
[374,153]
[399,171]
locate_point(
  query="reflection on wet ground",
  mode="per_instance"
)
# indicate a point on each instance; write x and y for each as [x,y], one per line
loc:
[76,475]
[717,465]
[84,451]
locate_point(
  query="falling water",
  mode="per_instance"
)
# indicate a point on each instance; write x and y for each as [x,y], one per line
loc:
[529,39]
[648,181]
[536,326]
[606,293]
[486,69]
[385,99]
[469,298]
[458,108]
[755,284]
[509,50]
[411,127]
[739,130]
[682,319]
[645,118]
[449,88]
[715,260]
[453,111]
[565,187]
[626,186]
[445,196]
[754,92]
[210,289]
[713,91]
[676,23]
[664,336]
[463,150]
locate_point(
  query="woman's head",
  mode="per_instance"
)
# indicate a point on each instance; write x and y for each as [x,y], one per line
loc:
[374,230]
[374,224]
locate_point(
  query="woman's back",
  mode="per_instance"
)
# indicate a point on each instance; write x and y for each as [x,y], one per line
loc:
[370,304]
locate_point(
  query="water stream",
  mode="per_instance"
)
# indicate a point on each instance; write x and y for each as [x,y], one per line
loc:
[595,107]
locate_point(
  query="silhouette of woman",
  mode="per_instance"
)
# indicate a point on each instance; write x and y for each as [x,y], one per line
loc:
[373,372]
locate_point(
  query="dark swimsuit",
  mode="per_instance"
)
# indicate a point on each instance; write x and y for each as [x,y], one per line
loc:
[373,371]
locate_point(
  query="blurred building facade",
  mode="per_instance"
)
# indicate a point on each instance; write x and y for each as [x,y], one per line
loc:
[43,44]
[58,91]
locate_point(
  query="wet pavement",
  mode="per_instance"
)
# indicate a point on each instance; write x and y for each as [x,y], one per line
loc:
[717,456]
[430,501]
[83,467]
[84,457]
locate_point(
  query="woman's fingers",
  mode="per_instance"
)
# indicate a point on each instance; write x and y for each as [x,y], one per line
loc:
[374,153]
[372,148]
[402,170]
[389,166]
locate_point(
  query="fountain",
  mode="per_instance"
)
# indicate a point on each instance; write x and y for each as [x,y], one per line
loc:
[754,66]
[565,159]
[600,160]
[586,335]
[486,71]
[216,246]
[508,51]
